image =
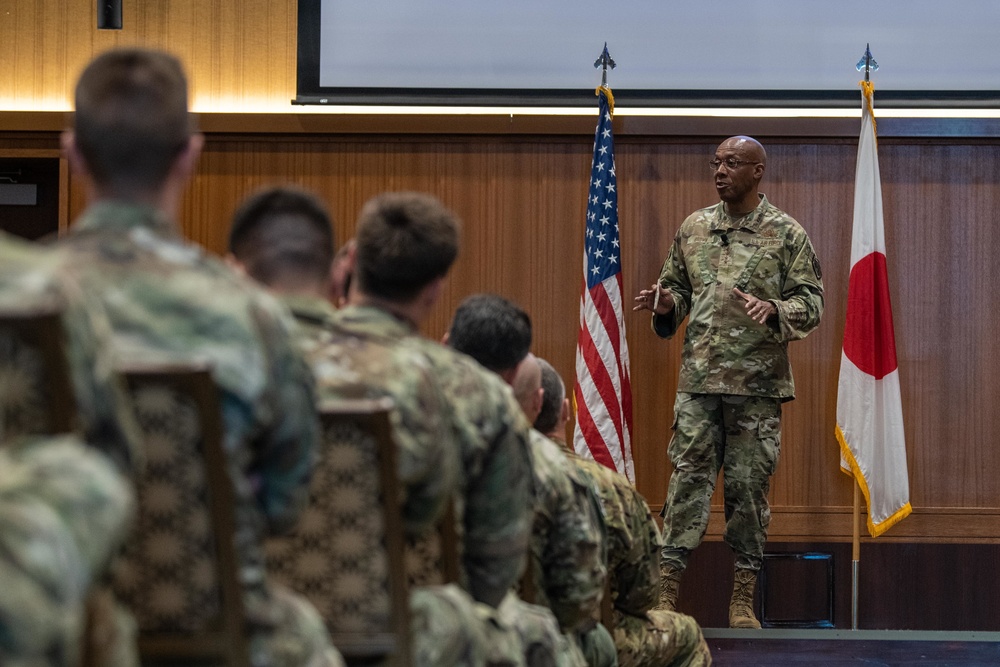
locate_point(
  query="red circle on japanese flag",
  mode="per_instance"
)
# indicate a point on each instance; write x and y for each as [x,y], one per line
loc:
[869,339]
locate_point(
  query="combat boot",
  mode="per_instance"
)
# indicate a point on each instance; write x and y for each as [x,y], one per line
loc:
[741,605]
[670,583]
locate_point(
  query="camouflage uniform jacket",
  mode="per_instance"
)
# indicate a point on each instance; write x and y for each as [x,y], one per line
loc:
[765,253]
[568,542]
[633,538]
[170,302]
[29,284]
[495,478]
[357,352]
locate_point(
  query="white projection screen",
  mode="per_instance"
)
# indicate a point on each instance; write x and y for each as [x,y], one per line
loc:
[721,53]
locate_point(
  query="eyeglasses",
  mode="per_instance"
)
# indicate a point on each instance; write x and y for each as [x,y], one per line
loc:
[730,162]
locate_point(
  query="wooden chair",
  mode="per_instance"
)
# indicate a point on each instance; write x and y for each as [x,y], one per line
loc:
[179,571]
[346,555]
[36,393]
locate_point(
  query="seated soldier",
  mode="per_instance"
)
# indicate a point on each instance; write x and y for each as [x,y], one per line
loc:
[64,502]
[567,542]
[282,237]
[170,302]
[643,637]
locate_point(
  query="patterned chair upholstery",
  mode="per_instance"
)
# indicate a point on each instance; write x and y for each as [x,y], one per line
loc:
[434,559]
[178,573]
[346,555]
[36,394]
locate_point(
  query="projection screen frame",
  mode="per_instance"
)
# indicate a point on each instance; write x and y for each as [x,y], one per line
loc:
[309,91]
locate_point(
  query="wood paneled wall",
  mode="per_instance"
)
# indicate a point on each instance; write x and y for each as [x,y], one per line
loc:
[239,54]
[522,202]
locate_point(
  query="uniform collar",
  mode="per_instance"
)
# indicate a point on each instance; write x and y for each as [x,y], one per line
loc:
[312,309]
[373,319]
[124,216]
[752,221]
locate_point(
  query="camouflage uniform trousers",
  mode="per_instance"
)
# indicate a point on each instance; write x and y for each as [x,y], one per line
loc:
[294,634]
[450,629]
[740,435]
[543,643]
[660,639]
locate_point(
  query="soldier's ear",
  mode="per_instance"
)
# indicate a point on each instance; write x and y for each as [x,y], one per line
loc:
[71,151]
[184,163]
[235,264]
[536,402]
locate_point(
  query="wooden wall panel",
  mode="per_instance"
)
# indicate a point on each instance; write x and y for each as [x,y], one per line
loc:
[240,55]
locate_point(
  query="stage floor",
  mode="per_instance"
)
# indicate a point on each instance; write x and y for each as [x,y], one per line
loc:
[843,648]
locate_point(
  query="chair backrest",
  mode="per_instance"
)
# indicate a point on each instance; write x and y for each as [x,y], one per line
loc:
[346,554]
[179,571]
[36,393]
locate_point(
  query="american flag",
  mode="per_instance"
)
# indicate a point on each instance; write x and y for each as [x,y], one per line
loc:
[603,391]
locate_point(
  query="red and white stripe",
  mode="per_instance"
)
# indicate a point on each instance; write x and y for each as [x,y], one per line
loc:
[603,393]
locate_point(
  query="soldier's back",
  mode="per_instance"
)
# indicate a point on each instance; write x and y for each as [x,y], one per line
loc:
[568,542]
[495,477]
[633,538]
[168,301]
[360,352]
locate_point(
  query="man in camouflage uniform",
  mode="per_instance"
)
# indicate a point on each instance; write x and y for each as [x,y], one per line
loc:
[567,542]
[457,432]
[170,302]
[748,277]
[283,239]
[643,637]
[64,503]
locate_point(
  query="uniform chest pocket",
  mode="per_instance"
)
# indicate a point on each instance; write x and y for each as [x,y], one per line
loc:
[762,271]
[706,260]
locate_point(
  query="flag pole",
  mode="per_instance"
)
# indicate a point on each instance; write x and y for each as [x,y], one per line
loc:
[867,63]
[855,555]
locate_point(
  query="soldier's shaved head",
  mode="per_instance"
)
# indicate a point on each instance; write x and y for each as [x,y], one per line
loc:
[748,146]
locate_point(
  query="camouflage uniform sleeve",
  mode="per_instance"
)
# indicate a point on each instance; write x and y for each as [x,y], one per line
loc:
[801,306]
[674,277]
[568,543]
[633,540]
[427,452]
[64,510]
[105,412]
[286,450]
[499,499]
[637,579]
